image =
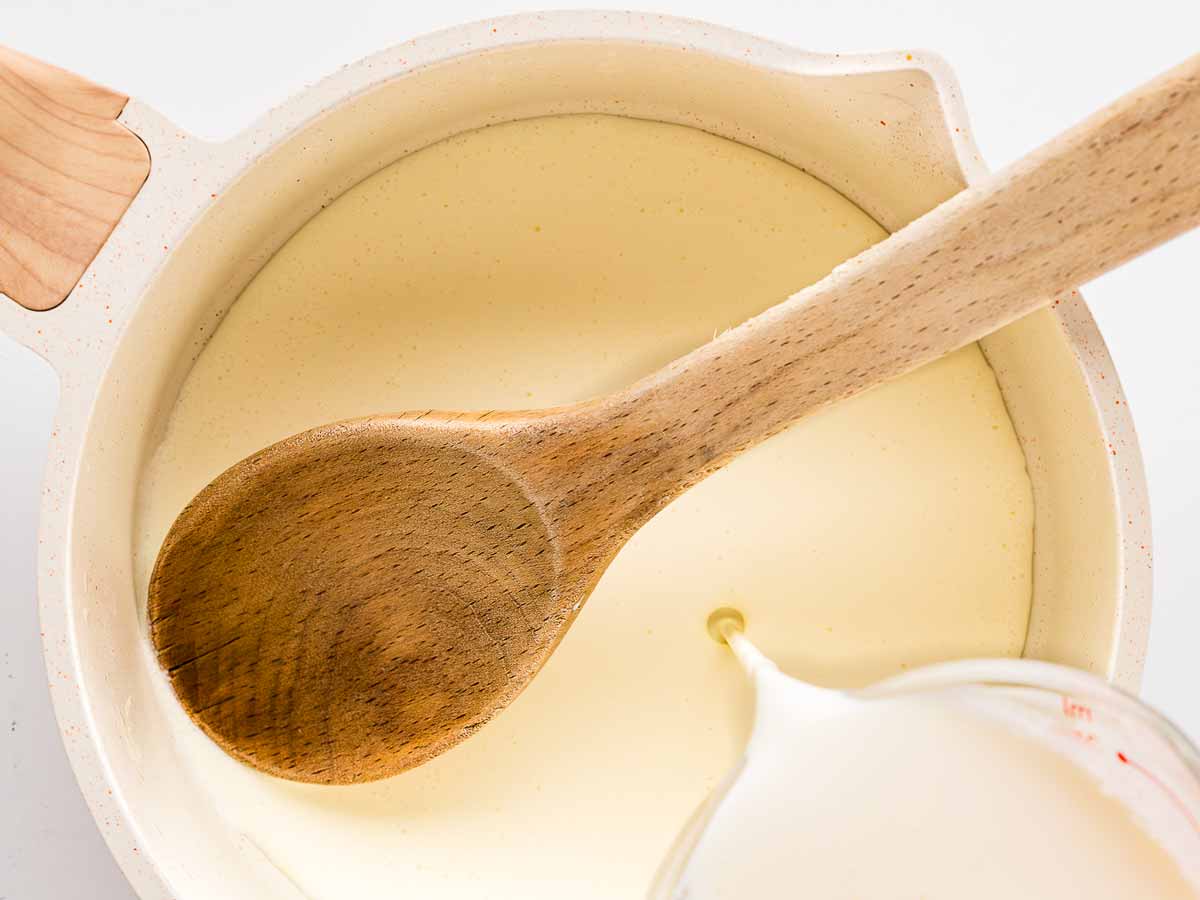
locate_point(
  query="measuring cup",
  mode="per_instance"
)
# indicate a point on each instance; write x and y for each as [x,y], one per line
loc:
[1130,751]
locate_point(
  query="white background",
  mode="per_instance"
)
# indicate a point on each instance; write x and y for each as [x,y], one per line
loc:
[1028,69]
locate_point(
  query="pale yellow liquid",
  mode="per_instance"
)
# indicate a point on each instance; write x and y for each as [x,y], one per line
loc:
[547,261]
[918,797]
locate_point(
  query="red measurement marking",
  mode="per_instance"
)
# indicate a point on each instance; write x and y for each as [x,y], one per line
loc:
[1187,813]
[1073,710]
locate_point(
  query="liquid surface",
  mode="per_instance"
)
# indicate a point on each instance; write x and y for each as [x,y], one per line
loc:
[544,262]
[914,796]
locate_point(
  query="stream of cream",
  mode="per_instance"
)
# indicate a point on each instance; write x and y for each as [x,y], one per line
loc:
[547,261]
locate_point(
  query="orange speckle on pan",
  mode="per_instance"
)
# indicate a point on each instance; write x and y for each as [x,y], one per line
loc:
[908,56]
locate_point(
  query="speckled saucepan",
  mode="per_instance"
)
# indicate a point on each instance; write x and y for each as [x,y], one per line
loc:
[208,216]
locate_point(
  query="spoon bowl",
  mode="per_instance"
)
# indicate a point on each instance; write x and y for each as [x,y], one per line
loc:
[401,579]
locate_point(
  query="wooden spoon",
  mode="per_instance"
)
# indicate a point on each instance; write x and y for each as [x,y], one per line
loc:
[359,598]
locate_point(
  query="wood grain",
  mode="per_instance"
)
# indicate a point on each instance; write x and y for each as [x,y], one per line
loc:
[68,172]
[358,598]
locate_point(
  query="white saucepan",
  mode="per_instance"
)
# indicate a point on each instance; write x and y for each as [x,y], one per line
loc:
[209,215]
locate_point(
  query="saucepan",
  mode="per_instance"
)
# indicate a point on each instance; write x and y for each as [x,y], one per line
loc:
[132,239]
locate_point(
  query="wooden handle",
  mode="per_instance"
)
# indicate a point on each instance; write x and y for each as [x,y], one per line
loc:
[68,172]
[1118,184]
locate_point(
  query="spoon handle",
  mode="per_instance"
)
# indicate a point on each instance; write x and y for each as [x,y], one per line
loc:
[1114,186]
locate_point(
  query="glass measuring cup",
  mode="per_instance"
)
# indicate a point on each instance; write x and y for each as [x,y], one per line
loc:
[1130,752]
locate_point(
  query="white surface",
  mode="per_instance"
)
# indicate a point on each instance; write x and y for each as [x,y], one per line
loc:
[1026,71]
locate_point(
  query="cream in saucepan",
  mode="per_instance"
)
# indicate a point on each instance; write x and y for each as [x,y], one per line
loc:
[546,261]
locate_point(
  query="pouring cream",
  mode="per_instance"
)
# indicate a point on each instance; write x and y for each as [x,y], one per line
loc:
[928,794]
[545,261]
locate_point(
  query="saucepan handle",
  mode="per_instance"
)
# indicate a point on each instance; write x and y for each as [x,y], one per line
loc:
[68,172]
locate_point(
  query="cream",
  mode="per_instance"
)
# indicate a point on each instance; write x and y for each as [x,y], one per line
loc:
[938,795]
[547,261]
